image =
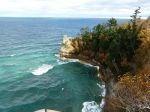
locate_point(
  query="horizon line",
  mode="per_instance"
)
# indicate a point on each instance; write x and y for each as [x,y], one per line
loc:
[68,17]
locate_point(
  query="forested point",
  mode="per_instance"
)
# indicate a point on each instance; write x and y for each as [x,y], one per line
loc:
[113,45]
[125,50]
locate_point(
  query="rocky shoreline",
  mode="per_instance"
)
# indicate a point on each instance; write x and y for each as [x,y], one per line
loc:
[67,52]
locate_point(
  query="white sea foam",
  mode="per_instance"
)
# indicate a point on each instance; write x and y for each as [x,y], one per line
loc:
[12,55]
[102,87]
[62,89]
[67,60]
[102,103]
[73,60]
[91,107]
[42,69]
[88,64]
[84,63]
[57,55]
[102,94]
[61,62]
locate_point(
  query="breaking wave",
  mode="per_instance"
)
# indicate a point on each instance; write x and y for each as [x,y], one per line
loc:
[42,69]
[91,107]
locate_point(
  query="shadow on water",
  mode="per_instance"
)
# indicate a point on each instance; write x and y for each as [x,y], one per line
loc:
[64,88]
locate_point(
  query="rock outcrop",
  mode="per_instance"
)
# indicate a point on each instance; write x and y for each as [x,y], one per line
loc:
[67,51]
[67,48]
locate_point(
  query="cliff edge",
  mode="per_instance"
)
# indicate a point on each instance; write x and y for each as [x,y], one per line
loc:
[67,48]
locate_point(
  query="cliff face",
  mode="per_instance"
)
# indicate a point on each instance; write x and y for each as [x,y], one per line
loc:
[67,51]
[67,48]
[127,59]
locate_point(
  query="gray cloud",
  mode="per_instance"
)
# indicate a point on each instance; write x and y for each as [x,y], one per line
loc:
[73,8]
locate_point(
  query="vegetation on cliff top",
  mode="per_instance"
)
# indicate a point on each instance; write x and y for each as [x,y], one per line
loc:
[125,50]
[110,44]
[132,93]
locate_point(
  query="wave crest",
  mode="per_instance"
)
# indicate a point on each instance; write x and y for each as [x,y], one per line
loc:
[91,107]
[42,69]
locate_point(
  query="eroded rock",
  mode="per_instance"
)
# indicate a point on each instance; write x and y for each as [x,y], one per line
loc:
[67,47]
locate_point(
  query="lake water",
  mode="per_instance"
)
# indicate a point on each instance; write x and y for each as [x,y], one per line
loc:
[31,75]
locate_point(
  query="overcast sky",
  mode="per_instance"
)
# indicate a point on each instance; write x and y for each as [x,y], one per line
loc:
[73,8]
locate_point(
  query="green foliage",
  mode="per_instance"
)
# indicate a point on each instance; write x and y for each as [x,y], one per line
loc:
[112,22]
[134,21]
[85,34]
[117,43]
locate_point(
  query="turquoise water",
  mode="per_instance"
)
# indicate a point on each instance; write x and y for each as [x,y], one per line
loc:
[31,75]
